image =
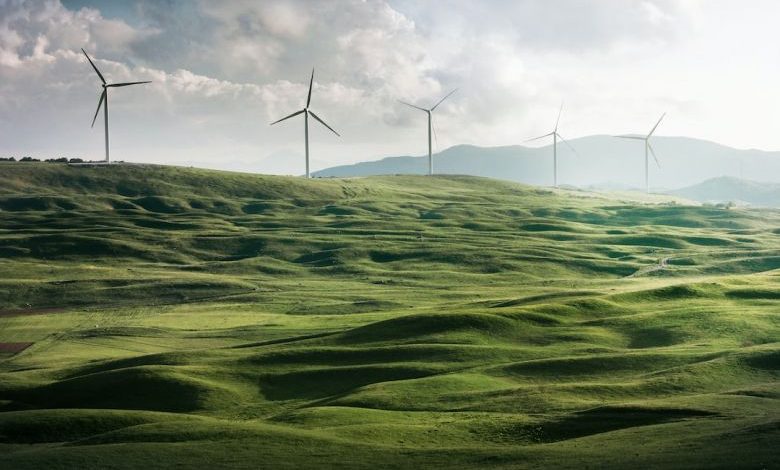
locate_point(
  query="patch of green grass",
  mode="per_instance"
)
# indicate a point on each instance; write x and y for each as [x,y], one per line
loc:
[181,316]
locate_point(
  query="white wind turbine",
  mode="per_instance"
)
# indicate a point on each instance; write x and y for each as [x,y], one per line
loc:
[648,148]
[104,97]
[555,135]
[306,112]
[430,126]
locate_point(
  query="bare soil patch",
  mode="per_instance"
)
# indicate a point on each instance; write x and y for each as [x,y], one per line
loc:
[14,348]
[29,311]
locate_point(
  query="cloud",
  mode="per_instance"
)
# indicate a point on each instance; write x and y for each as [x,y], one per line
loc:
[281,19]
[571,26]
[24,24]
[223,71]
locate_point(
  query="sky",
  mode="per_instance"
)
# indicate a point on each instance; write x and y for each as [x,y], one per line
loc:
[222,71]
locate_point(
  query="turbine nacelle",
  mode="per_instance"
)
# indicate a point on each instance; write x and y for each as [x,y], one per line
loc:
[646,139]
[104,96]
[307,112]
[555,136]
[648,149]
[431,127]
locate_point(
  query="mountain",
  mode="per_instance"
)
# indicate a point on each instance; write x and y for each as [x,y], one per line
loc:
[730,189]
[601,161]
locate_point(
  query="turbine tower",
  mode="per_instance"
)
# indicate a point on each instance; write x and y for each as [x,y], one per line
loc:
[306,112]
[104,97]
[429,112]
[555,135]
[648,147]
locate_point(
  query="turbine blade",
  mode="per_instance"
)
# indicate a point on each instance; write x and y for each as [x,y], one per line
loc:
[567,144]
[413,106]
[94,67]
[656,124]
[634,137]
[440,101]
[288,117]
[100,103]
[311,82]
[323,123]
[652,152]
[126,84]
[540,137]
[559,117]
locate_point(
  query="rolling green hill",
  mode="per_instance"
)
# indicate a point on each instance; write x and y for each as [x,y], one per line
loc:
[159,317]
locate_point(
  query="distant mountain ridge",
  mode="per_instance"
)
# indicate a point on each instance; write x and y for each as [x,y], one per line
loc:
[730,189]
[600,160]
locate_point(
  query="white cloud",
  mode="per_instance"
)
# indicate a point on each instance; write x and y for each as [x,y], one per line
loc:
[222,71]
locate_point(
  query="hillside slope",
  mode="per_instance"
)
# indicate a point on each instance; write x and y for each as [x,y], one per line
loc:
[600,160]
[159,317]
[729,189]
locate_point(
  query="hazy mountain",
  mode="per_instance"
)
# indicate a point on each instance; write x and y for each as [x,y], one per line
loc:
[601,161]
[730,189]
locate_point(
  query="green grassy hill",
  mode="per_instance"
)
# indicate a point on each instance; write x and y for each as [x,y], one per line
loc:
[159,316]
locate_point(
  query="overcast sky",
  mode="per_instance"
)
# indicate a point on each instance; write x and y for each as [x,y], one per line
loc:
[223,70]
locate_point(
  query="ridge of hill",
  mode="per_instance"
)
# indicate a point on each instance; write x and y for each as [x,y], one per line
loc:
[729,189]
[600,161]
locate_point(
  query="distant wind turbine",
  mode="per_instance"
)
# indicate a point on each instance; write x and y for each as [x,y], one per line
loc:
[555,135]
[306,112]
[430,126]
[104,97]
[649,148]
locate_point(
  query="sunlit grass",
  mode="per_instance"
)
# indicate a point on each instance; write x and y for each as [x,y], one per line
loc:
[186,316]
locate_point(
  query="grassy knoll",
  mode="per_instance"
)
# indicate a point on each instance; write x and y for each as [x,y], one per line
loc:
[156,316]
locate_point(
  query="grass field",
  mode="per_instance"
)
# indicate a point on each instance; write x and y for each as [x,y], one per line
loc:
[159,317]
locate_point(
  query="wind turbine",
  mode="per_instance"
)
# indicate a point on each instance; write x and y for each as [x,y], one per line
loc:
[648,147]
[104,97]
[430,126]
[306,112]
[555,135]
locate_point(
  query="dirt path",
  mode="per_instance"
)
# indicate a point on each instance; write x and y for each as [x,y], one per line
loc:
[14,348]
[663,263]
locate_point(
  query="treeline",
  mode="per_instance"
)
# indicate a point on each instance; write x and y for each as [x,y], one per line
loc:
[48,160]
